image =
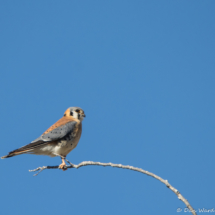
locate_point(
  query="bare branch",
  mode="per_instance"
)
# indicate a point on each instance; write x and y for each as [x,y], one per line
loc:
[87,163]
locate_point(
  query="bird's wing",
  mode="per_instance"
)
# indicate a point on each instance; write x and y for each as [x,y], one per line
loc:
[46,138]
[57,133]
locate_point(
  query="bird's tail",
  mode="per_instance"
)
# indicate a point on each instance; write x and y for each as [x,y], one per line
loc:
[25,149]
[6,156]
[14,153]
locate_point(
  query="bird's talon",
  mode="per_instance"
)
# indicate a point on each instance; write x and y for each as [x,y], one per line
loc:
[63,167]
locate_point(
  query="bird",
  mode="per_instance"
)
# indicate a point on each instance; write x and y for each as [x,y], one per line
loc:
[58,140]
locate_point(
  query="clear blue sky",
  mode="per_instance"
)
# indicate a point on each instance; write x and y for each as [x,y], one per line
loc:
[144,73]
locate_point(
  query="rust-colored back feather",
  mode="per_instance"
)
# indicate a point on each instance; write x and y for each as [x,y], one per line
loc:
[60,122]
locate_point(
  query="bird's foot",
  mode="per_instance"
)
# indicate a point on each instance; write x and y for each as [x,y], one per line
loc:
[62,166]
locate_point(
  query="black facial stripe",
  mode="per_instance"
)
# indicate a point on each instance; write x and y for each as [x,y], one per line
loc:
[79,116]
[71,113]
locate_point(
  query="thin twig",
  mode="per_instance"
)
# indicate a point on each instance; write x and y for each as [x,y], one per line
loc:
[87,163]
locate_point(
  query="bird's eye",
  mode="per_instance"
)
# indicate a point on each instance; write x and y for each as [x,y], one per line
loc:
[77,111]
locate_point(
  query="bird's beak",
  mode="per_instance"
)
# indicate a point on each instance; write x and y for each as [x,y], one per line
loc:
[84,115]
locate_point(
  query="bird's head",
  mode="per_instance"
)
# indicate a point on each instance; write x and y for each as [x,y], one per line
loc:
[75,112]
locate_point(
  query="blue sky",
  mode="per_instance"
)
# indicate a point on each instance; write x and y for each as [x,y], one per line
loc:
[144,73]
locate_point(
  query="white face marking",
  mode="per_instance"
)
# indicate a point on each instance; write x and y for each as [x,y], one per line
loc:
[75,114]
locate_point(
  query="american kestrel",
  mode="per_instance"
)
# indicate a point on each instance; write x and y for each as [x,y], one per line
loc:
[60,139]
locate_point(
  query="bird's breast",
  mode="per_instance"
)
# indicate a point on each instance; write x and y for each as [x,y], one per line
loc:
[69,142]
